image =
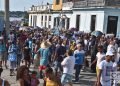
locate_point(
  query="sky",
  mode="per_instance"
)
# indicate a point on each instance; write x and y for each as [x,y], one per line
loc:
[20,5]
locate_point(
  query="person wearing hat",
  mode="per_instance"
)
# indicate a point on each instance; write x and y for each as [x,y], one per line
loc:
[44,52]
[105,68]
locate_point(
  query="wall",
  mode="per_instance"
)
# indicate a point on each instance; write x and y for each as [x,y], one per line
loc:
[57,7]
[112,12]
[85,20]
[38,20]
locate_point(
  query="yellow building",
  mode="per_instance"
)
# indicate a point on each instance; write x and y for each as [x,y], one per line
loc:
[57,5]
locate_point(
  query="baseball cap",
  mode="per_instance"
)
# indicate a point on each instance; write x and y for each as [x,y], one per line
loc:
[109,53]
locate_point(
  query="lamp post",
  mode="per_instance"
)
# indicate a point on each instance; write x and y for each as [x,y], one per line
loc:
[7,22]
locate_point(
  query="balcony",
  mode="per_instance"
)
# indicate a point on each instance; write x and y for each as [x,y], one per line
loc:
[67,6]
[89,3]
[96,3]
[41,8]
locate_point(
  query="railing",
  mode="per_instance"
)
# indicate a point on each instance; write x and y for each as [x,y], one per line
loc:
[40,8]
[89,3]
[112,3]
[95,3]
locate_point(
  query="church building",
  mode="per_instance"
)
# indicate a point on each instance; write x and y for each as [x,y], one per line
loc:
[84,15]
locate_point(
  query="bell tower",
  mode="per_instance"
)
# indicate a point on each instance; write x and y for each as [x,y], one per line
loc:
[57,5]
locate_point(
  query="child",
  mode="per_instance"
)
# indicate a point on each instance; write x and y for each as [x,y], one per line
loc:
[50,79]
[34,80]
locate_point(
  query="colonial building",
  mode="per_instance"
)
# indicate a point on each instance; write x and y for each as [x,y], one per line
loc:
[85,15]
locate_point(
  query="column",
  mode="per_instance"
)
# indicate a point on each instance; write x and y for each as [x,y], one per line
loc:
[66,24]
[43,20]
[47,25]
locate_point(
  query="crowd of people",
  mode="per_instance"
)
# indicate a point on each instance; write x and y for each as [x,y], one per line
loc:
[58,57]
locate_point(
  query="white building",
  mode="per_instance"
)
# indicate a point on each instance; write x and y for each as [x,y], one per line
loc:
[85,15]
[40,16]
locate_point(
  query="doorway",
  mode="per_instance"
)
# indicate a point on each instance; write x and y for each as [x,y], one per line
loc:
[93,23]
[112,25]
[77,22]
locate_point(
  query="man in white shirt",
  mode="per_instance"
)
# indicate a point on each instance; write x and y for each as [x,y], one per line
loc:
[105,68]
[100,56]
[68,67]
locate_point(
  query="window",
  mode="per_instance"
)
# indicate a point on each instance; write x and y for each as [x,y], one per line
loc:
[41,18]
[45,18]
[93,23]
[41,23]
[54,21]
[31,21]
[77,22]
[49,26]
[68,23]
[49,18]
[57,2]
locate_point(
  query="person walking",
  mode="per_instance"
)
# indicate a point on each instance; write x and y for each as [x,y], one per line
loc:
[44,56]
[68,66]
[59,55]
[79,55]
[105,68]
[27,55]
[99,57]
[12,51]
[3,53]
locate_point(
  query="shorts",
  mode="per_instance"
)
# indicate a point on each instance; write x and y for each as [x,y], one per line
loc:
[42,67]
[66,78]
[3,56]
[57,66]
[12,64]
[97,70]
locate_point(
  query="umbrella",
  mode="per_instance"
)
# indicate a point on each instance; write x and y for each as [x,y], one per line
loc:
[97,33]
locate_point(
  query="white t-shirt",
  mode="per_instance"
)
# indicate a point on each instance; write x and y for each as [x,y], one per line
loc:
[107,68]
[111,48]
[68,65]
[100,57]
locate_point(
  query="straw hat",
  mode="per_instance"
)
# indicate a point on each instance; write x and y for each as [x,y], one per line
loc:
[45,44]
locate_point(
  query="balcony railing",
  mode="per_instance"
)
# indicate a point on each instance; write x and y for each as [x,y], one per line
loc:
[40,8]
[89,3]
[96,3]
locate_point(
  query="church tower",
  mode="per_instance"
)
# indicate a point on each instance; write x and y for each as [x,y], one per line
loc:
[57,5]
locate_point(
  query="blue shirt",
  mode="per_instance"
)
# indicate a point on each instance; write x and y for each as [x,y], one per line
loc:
[44,53]
[79,57]
[2,48]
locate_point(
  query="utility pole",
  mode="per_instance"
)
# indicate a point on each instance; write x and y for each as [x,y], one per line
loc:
[7,22]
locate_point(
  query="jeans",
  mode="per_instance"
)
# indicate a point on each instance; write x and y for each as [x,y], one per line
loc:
[77,71]
[58,67]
